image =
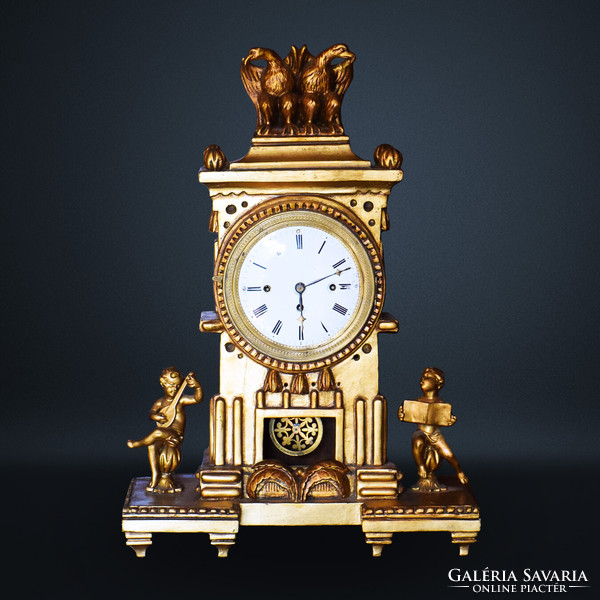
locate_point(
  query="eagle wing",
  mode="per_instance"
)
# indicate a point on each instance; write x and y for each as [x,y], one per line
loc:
[343,73]
[296,58]
[251,75]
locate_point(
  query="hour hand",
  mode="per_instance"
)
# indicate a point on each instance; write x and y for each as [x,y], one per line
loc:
[300,287]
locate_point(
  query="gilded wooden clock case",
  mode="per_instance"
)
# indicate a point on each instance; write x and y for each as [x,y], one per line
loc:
[269,398]
[346,190]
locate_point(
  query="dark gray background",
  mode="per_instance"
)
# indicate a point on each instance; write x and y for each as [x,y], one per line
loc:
[492,258]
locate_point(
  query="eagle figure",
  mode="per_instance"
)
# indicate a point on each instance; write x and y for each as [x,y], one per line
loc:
[272,89]
[322,86]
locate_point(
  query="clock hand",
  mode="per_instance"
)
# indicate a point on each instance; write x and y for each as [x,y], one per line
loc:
[300,287]
[337,272]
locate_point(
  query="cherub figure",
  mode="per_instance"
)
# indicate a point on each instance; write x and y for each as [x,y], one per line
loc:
[428,444]
[164,442]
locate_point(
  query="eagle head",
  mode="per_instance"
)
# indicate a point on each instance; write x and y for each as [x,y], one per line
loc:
[340,51]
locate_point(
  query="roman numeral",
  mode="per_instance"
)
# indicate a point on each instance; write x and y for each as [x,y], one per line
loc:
[343,286]
[261,310]
[277,327]
[298,240]
[323,326]
[340,309]
[339,263]
[300,332]
[253,288]
[321,248]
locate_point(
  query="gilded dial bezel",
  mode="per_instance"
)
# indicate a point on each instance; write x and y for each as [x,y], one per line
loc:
[325,214]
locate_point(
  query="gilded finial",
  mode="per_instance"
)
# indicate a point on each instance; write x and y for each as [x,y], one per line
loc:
[387,157]
[214,158]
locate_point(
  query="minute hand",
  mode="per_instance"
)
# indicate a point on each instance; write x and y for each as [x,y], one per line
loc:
[338,272]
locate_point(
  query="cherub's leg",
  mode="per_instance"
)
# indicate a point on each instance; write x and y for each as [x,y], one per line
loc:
[427,459]
[432,460]
[461,474]
[418,452]
[154,441]
[153,452]
[151,438]
[447,453]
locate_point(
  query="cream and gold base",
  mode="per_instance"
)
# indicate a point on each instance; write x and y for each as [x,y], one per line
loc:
[453,510]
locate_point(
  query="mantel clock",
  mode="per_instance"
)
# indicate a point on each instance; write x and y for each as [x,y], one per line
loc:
[298,428]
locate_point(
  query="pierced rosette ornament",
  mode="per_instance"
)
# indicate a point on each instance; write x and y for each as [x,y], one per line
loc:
[296,436]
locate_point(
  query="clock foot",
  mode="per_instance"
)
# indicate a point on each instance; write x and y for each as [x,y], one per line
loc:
[378,541]
[222,541]
[138,542]
[464,539]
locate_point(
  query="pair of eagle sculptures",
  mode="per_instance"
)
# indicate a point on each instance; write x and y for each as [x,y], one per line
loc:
[301,94]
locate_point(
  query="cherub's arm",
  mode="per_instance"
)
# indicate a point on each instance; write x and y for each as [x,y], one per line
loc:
[155,414]
[193,382]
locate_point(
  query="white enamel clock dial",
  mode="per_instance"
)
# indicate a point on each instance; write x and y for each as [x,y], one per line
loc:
[298,289]
[299,286]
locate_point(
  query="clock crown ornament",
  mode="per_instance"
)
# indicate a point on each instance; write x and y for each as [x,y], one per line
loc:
[298,427]
[301,94]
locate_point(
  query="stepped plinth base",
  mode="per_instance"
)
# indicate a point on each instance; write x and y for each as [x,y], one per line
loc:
[454,510]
